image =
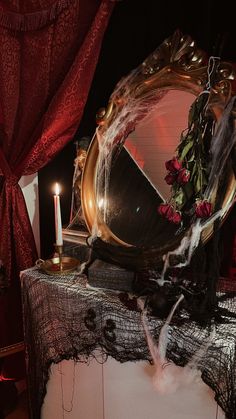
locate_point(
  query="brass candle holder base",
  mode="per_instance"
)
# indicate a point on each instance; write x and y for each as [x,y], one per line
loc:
[58,265]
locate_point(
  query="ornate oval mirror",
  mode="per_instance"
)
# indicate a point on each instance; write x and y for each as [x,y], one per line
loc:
[130,179]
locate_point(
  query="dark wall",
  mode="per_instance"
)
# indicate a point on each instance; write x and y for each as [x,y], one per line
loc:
[136,28]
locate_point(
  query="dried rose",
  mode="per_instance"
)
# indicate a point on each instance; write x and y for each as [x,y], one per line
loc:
[173,165]
[183,176]
[176,217]
[166,210]
[170,178]
[203,209]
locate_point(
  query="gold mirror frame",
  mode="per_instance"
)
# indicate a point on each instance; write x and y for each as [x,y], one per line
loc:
[177,64]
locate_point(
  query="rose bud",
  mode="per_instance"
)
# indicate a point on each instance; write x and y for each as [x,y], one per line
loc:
[166,210]
[203,209]
[183,176]
[173,165]
[176,217]
[170,178]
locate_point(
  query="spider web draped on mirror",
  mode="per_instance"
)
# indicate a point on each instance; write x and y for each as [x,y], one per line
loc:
[130,181]
[140,108]
[111,140]
[202,189]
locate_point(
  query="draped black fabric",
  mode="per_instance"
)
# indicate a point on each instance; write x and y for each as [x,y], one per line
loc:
[64,319]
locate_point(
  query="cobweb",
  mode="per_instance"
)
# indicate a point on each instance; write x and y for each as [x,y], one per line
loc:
[135,107]
[168,377]
[222,145]
[139,106]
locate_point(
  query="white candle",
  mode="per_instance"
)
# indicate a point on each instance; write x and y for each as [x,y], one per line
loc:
[57,211]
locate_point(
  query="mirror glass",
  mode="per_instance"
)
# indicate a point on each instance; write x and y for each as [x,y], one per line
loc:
[155,139]
[136,182]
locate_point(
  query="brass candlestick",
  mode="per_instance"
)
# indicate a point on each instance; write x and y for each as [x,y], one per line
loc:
[59,264]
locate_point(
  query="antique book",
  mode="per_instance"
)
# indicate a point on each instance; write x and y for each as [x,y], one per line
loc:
[106,275]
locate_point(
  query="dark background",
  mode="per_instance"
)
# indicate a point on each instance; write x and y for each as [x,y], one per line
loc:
[136,28]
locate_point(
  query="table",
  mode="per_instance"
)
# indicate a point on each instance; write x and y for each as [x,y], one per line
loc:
[63,319]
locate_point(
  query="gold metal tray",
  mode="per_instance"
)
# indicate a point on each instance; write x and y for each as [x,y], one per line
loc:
[57,266]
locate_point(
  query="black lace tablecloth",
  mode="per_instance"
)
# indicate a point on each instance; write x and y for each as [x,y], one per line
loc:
[63,319]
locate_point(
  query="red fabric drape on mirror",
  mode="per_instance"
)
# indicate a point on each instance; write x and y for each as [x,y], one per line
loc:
[49,51]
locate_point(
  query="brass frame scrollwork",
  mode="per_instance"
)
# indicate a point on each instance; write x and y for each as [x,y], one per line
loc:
[176,64]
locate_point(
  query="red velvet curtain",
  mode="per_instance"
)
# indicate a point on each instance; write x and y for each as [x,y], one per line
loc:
[48,54]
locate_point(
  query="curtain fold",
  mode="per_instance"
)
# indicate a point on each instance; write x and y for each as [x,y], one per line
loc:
[48,57]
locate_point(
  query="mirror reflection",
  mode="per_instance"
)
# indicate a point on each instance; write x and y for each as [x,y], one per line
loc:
[137,185]
[155,139]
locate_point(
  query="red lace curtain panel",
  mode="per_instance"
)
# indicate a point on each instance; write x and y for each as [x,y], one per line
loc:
[48,54]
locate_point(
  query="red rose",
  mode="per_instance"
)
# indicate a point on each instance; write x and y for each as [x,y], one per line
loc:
[176,217]
[173,165]
[203,209]
[170,178]
[166,210]
[183,176]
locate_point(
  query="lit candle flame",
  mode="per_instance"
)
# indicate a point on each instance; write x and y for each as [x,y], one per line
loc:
[57,189]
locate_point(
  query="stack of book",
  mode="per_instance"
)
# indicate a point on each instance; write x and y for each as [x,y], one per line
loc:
[105,275]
